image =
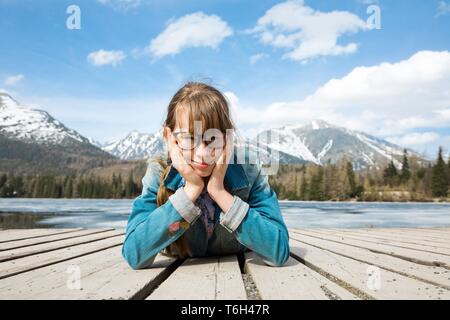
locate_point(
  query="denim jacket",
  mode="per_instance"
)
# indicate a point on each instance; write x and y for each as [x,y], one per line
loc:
[253,222]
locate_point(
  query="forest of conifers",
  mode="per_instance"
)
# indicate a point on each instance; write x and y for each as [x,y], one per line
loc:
[415,180]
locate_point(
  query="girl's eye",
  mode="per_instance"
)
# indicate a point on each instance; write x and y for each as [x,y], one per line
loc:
[210,141]
[186,137]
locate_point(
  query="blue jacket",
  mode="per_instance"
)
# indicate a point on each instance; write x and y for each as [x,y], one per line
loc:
[254,221]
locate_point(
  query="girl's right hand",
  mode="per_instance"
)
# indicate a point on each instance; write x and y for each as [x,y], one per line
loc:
[194,183]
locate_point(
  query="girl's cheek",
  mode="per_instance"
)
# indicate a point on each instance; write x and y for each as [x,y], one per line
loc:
[187,155]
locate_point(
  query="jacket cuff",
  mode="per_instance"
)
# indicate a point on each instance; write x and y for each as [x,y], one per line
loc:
[234,216]
[184,205]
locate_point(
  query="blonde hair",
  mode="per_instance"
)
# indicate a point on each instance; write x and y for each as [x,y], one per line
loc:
[203,103]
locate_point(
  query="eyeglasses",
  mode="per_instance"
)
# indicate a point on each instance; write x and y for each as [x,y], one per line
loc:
[188,141]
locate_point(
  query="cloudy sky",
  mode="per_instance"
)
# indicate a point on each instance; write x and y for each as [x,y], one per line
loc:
[278,63]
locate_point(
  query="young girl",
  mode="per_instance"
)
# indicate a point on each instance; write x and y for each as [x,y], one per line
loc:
[195,202]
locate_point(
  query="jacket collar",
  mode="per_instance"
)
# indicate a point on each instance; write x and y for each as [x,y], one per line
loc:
[235,177]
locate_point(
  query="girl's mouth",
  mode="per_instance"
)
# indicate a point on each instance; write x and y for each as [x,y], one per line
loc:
[200,165]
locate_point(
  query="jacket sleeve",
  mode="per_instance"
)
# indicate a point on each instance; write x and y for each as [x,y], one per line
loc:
[258,223]
[151,228]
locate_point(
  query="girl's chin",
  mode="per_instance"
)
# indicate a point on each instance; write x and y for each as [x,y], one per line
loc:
[203,173]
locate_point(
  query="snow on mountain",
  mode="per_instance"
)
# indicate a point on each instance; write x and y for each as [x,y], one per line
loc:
[32,125]
[320,142]
[316,142]
[95,142]
[136,145]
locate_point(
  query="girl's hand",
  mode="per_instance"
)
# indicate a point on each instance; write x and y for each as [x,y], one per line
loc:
[194,183]
[215,184]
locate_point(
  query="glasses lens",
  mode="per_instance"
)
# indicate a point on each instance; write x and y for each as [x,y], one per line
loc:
[185,140]
[215,142]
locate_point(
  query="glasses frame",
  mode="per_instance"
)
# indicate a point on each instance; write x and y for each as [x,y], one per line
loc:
[197,141]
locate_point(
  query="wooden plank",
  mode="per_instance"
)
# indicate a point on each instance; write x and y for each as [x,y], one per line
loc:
[364,278]
[413,255]
[46,239]
[437,233]
[441,234]
[293,281]
[45,247]
[210,278]
[415,246]
[21,234]
[400,238]
[435,275]
[104,275]
[421,235]
[14,267]
[438,230]
[419,232]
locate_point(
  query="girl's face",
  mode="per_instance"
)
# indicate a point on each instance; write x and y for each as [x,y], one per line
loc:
[202,157]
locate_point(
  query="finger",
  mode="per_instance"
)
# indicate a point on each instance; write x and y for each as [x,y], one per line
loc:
[178,158]
[229,147]
[222,159]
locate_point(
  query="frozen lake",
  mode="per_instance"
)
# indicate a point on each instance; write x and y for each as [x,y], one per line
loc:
[62,213]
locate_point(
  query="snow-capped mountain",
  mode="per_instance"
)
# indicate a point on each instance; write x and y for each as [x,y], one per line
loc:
[320,142]
[316,142]
[136,146]
[32,125]
[32,141]
[95,142]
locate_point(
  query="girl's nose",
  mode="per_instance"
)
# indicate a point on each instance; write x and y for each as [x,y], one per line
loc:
[202,152]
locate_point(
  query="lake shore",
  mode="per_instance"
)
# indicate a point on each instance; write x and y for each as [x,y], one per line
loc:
[434,200]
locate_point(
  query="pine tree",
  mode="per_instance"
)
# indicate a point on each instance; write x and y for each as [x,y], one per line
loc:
[343,182]
[114,186]
[119,191]
[3,179]
[316,191]
[439,184]
[7,190]
[351,178]
[304,188]
[130,187]
[390,173]
[405,174]
[18,186]
[448,169]
[69,188]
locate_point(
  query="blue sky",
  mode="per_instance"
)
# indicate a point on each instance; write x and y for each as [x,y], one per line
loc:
[118,72]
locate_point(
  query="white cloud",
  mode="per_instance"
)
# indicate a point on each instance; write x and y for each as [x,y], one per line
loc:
[14,79]
[307,33]
[192,30]
[443,8]
[121,5]
[386,100]
[103,57]
[257,57]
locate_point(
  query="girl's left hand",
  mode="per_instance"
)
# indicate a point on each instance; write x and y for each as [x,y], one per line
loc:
[215,183]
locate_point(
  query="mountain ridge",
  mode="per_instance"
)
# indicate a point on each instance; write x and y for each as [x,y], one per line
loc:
[317,142]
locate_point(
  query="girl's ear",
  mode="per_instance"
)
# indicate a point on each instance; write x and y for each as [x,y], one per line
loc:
[166,131]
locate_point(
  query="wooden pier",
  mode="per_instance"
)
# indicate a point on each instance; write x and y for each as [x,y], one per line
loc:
[324,264]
